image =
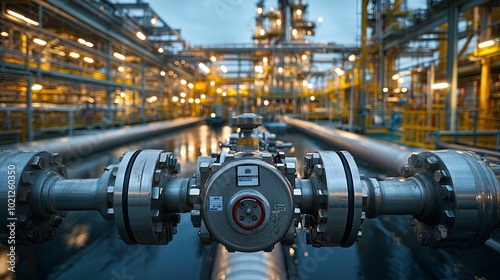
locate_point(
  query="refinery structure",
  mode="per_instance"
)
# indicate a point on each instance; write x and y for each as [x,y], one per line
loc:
[102,101]
[71,65]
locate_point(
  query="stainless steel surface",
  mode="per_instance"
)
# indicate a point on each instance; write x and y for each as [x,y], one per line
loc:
[269,188]
[84,145]
[382,156]
[257,265]
[337,187]
[395,197]
[469,195]
[86,246]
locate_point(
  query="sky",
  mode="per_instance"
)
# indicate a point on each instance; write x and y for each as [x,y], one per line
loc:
[207,22]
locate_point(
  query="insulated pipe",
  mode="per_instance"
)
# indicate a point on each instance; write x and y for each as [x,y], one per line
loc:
[87,144]
[384,156]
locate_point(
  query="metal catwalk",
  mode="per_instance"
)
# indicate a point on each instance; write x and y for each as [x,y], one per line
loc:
[86,246]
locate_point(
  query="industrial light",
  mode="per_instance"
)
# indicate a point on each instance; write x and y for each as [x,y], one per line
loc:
[88,60]
[294,32]
[197,101]
[122,94]
[352,57]
[440,85]
[213,58]
[191,100]
[183,82]
[140,35]
[320,19]
[212,83]
[39,42]
[259,10]
[161,50]
[486,44]
[223,68]
[264,60]
[61,53]
[280,70]
[5,34]
[183,100]
[183,94]
[395,77]
[74,55]
[312,98]
[309,86]
[219,90]
[22,17]
[339,71]
[224,93]
[119,55]
[262,32]
[299,12]
[203,96]
[404,90]
[278,22]
[36,87]
[304,57]
[190,85]
[204,67]
[121,68]
[385,89]
[259,69]
[266,102]
[153,21]
[85,42]
[304,83]
[175,98]
[162,73]
[213,115]
[152,99]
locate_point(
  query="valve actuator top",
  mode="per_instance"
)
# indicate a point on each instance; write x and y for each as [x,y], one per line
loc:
[247,122]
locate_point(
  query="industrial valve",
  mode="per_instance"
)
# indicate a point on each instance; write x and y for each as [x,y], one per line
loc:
[249,200]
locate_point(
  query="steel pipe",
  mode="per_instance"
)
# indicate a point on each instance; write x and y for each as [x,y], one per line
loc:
[256,265]
[382,155]
[84,145]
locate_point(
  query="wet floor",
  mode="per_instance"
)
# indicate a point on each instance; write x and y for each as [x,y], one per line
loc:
[88,247]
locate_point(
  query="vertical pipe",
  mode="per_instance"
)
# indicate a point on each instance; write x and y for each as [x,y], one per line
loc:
[430,93]
[452,67]
[364,52]
[143,93]
[108,78]
[29,108]
[238,81]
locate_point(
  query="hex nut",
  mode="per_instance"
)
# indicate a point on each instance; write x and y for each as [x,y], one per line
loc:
[297,195]
[447,192]
[440,176]
[415,160]
[194,195]
[431,163]
[38,162]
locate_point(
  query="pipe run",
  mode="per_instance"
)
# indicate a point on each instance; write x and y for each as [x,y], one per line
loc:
[381,155]
[84,145]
